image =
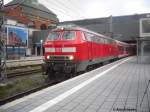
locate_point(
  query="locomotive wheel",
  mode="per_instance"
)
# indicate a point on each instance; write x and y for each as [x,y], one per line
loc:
[89,68]
[52,75]
[75,70]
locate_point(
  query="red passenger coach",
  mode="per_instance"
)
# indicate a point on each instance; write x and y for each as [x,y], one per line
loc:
[73,49]
[124,49]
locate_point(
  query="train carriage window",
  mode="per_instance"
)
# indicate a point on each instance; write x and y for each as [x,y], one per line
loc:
[69,35]
[53,36]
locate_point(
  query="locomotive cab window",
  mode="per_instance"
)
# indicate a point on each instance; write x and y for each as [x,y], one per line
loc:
[69,35]
[53,36]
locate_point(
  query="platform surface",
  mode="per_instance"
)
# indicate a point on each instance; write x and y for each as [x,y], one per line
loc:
[23,61]
[116,87]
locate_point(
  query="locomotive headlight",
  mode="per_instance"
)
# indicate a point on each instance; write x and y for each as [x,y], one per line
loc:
[71,57]
[48,57]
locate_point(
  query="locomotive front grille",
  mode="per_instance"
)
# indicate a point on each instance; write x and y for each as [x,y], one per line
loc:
[59,57]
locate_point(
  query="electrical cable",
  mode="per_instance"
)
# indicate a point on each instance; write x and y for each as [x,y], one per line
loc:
[71,8]
[78,7]
[62,6]
[58,10]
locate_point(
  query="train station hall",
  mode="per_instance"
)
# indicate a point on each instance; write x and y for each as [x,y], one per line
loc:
[63,56]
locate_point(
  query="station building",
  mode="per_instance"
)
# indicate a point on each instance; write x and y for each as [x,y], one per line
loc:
[22,18]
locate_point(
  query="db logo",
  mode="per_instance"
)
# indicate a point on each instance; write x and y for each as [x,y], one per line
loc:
[58,49]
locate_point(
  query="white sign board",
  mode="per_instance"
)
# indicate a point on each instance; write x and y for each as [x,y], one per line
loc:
[145,27]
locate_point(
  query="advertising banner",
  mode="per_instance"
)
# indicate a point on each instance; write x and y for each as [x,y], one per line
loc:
[17,36]
[17,41]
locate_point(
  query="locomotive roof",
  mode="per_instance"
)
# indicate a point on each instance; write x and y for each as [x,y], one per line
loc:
[75,27]
[82,29]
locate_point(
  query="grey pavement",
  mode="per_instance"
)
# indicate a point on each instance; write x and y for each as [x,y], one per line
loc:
[119,90]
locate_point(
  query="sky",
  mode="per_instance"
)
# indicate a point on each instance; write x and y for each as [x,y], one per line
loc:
[67,10]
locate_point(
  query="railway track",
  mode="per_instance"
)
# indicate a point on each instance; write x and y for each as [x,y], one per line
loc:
[22,71]
[22,63]
[23,60]
[48,82]
[19,95]
[19,74]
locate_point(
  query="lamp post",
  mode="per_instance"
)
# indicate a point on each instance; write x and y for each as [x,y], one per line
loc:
[41,52]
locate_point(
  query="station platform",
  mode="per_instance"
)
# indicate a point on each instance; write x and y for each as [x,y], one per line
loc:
[23,61]
[115,87]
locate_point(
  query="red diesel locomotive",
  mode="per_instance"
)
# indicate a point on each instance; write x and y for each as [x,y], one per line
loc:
[73,49]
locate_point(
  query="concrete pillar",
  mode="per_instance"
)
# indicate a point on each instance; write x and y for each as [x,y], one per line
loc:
[142,52]
[36,50]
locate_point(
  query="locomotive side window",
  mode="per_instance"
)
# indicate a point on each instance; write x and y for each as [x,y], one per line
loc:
[53,36]
[109,41]
[105,41]
[83,36]
[102,40]
[99,39]
[89,36]
[94,38]
[69,35]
